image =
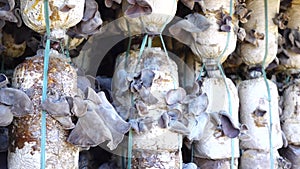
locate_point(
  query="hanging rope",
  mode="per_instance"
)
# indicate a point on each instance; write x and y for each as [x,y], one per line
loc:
[226,85]
[267,84]
[45,84]
[130,139]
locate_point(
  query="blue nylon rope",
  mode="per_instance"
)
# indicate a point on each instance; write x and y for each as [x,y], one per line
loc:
[130,139]
[226,85]
[267,84]
[129,149]
[45,83]
[129,44]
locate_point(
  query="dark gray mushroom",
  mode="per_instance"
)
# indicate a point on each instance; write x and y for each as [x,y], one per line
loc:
[147,96]
[259,112]
[194,90]
[291,40]
[60,111]
[253,36]
[115,123]
[228,127]
[109,3]
[224,22]
[7,5]
[7,11]
[242,12]
[56,107]
[244,133]
[78,106]
[192,23]
[90,130]
[259,117]
[83,83]
[100,123]
[66,7]
[281,20]
[178,127]
[284,140]
[291,153]
[8,16]
[241,34]
[175,96]
[189,166]
[141,108]
[20,103]
[225,125]
[141,125]
[138,8]
[147,77]
[171,121]
[198,124]
[6,117]
[91,95]
[198,105]
[189,3]
[3,80]
[90,22]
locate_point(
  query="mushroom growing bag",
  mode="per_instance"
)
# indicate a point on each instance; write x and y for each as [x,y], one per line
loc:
[254,112]
[253,48]
[214,144]
[140,86]
[290,117]
[63,14]
[207,34]
[25,149]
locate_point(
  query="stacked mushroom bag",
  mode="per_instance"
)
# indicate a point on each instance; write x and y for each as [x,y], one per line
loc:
[207,34]
[290,118]
[140,87]
[255,106]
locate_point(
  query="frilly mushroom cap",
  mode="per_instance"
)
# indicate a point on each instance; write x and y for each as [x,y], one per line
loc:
[79,107]
[90,23]
[197,126]
[138,8]
[8,5]
[189,166]
[56,107]
[6,117]
[292,153]
[100,123]
[60,17]
[175,96]
[228,127]
[7,12]
[189,3]
[8,16]
[20,103]
[3,80]
[109,3]
[198,104]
